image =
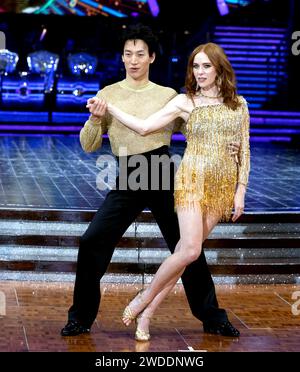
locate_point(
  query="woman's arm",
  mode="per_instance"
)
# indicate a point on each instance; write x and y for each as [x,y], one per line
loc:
[244,153]
[243,167]
[156,121]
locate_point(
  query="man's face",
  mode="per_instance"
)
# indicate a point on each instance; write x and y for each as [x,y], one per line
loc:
[136,59]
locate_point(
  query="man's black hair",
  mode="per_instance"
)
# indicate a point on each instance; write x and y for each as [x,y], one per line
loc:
[141,32]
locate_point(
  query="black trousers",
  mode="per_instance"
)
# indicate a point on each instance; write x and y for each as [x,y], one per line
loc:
[97,245]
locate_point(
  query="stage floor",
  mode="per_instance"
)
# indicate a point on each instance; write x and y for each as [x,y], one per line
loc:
[44,171]
[34,313]
[53,172]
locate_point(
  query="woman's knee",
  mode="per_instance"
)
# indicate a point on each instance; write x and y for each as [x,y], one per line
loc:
[191,252]
[193,256]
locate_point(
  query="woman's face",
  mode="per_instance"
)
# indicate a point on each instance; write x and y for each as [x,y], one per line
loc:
[204,71]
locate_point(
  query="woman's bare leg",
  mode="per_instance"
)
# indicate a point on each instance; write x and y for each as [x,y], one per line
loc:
[191,233]
[209,222]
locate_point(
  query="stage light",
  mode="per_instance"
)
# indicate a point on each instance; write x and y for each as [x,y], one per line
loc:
[118,8]
[154,8]
[238,2]
[43,34]
[222,7]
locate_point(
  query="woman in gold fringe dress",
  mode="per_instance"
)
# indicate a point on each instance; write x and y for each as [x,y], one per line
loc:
[209,182]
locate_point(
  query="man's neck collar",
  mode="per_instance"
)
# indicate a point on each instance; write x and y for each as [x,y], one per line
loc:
[137,87]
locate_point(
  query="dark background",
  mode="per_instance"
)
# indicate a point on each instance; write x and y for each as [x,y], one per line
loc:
[180,27]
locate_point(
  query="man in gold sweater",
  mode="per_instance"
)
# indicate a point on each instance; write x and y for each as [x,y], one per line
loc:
[141,97]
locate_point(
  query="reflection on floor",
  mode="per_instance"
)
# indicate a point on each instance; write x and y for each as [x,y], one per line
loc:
[32,314]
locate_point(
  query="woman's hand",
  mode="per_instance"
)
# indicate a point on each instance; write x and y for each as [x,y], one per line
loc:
[239,201]
[97,107]
[233,148]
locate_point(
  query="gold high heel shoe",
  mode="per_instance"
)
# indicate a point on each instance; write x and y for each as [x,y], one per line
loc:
[141,335]
[127,313]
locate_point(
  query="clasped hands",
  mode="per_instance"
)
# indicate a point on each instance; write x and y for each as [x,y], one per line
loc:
[97,106]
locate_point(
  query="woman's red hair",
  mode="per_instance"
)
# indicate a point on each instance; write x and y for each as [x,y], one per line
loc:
[225,79]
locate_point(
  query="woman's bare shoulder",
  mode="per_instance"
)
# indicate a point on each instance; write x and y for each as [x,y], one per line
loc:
[183,102]
[182,98]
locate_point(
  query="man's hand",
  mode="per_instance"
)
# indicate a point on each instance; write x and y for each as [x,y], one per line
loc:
[233,148]
[97,107]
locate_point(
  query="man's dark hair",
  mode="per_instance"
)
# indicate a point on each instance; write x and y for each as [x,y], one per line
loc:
[141,32]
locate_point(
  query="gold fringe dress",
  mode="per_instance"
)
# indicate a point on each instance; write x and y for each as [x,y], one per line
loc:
[208,175]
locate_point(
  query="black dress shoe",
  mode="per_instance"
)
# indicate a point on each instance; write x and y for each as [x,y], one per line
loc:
[220,328]
[74,328]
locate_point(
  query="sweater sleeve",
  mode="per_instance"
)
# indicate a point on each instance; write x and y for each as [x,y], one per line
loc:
[244,152]
[92,131]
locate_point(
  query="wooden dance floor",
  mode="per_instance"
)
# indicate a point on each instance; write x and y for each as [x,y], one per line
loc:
[32,314]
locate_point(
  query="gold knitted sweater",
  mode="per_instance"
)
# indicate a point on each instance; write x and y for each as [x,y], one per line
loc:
[140,102]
